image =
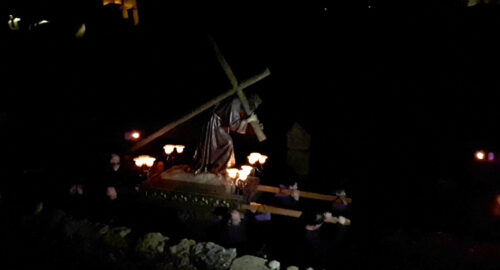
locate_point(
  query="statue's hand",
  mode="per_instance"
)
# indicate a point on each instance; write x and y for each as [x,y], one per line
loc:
[252,118]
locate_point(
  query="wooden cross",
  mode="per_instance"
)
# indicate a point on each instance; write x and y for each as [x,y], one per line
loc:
[237,88]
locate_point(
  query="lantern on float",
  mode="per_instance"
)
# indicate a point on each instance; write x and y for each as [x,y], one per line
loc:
[232,173]
[179,148]
[262,159]
[169,149]
[144,160]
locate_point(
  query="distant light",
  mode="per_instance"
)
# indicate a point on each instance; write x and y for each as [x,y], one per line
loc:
[491,156]
[169,149]
[136,135]
[179,148]
[326,9]
[43,22]
[480,155]
[369,6]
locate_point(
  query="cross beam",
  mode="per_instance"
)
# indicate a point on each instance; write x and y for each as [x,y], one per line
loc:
[303,194]
[262,208]
[239,91]
[237,88]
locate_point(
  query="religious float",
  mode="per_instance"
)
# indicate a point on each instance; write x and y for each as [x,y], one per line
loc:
[215,181]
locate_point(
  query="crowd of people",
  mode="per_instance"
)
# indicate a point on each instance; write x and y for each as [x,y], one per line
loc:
[112,198]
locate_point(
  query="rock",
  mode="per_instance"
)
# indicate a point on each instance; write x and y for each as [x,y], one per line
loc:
[211,256]
[182,248]
[181,253]
[152,244]
[103,230]
[275,265]
[292,268]
[249,262]
[117,237]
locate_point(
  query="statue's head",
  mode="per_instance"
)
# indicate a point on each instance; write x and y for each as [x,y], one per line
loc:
[254,101]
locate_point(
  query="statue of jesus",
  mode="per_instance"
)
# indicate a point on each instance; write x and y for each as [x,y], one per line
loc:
[215,152]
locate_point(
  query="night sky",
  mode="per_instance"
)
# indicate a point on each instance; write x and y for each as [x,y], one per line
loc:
[397,97]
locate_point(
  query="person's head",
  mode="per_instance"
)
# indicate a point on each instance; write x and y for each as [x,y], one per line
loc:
[115,161]
[111,193]
[235,218]
[313,220]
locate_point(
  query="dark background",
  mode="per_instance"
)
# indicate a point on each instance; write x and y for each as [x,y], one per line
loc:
[397,97]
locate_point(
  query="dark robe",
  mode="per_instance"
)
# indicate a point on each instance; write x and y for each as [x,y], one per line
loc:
[216,145]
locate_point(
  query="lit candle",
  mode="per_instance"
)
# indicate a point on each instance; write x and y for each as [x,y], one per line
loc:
[169,149]
[179,148]
[136,135]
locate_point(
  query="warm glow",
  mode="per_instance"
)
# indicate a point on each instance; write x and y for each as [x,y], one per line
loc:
[168,149]
[144,160]
[179,148]
[247,168]
[243,175]
[232,172]
[262,159]
[252,160]
[136,135]
[480,155]
[255,155]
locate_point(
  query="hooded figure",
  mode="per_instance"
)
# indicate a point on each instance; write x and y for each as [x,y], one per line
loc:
[216,150]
